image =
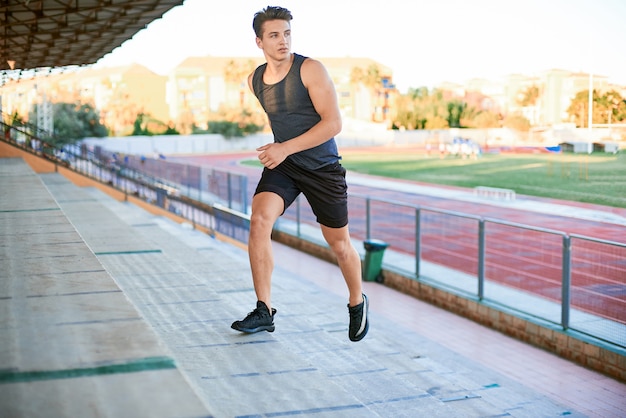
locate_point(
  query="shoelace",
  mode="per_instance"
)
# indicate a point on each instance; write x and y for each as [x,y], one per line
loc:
[256,313]
[355,313]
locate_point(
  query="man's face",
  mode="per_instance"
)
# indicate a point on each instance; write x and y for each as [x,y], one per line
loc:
[276,41]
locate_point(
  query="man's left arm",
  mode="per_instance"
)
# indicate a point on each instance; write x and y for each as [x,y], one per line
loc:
[322,92]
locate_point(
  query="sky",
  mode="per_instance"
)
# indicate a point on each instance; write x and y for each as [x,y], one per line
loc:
[424,42]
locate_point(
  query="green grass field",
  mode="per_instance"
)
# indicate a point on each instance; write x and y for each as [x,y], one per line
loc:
[595,178]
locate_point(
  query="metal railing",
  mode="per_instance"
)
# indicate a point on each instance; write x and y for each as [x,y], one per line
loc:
[572,280]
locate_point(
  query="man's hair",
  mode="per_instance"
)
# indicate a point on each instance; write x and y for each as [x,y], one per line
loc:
[269,13]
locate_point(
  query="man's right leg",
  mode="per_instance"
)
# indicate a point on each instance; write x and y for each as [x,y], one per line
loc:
[266,208]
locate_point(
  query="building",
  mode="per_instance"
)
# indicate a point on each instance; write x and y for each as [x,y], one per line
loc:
[554,89]
[200,89]
[119,94]
[364,87]
[561,87]
[201,86]
[195,91]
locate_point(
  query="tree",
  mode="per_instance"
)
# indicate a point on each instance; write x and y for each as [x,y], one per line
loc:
[577,109]
[73,122]
[121,111]
[138,128]
[422,109]
[517,122]
[486,119]
[612,107]
[407,116]
[372,79]
[528,96]
[416,108]
[469,116]
[171,130]
[455,110]
[436,122]
[235,122]
[608,105]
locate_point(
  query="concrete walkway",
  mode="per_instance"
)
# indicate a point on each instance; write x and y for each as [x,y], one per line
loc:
[73,345]
[110,311]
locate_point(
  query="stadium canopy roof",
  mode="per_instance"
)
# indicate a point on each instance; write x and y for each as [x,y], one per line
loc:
[57,33]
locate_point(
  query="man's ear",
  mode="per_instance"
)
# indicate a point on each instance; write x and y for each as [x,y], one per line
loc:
[259,42]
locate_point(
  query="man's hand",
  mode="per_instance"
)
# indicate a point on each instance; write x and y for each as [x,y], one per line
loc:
[272,154]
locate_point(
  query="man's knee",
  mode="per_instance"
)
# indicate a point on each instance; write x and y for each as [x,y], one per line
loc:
[266,209]
[262,220]
[341,247]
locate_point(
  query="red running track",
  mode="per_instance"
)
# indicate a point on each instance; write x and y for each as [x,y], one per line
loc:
[527,261]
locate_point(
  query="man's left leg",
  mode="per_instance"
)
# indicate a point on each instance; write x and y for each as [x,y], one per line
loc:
[349,263]
[348,260]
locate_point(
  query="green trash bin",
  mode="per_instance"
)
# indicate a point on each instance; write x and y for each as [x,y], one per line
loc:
[372,265]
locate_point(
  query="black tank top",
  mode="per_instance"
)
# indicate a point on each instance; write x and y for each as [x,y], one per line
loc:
[291,113]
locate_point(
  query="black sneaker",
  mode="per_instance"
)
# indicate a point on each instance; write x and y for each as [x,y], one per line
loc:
[257,320]
[358,320]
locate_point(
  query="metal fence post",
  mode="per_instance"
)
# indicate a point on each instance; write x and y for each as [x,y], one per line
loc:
[188,179]
[200,177]
[298,217]
[367,218]
[481,259]
[418,241]
[243,184]
[229,191]
[567,281]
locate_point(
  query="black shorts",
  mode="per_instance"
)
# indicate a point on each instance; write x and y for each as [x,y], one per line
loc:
[324,188]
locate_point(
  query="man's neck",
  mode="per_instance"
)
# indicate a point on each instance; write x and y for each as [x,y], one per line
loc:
[277,69]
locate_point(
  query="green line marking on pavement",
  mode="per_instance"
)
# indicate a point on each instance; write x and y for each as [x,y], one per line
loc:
[28,210]
[77,200]
[127,252]
[140,365]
